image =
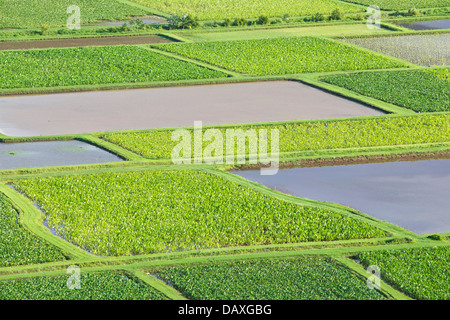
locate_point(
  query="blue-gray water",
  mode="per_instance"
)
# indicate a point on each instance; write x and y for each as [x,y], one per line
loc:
[413,195]
[51,153]
[427,25]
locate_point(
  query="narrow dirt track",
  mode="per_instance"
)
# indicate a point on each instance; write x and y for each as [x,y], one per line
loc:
[83,42]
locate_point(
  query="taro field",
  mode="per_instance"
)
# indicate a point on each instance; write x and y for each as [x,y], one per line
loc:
[306,82]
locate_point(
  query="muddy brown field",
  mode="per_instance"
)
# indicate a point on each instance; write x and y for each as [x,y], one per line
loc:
[71,113]
[83,42]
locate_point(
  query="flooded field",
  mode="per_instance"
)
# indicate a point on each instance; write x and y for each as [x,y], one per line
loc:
[51,153]
[83,42]
[413,195]
[427,25]
[72,113]
[424,50]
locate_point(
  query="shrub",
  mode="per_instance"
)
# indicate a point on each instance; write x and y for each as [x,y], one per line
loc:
[337,14]
[263,20]
[240,22]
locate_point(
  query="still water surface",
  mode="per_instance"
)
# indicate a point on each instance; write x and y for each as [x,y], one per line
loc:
[414,195]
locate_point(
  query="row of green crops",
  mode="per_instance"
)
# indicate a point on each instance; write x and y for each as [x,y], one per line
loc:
[304,278]
[17,245]
[309,135]
[420,91]
[173,210]
[92,286]
[425,50]
[422,273]
[403,4]
[35,13]
[93,65]
[231,9]
[282,56]
[441,73]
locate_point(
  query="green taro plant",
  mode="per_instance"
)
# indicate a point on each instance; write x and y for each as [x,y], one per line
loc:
[34,13]
[422,273]
[175,210]
[403,4]
[232,9]
[303,278]
[282,56]
[18,246]
[421,91]
[93,66]
[311,135]
[106,285]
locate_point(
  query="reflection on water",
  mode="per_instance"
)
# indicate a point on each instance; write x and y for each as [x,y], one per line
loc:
[427,25]
[51,153]
[413,195]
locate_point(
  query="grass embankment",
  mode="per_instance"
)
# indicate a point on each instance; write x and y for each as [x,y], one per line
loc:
[19,246]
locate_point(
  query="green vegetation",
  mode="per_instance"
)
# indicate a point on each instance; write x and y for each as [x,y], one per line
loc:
[311,135]
[17,245]
[441,73]
[323,30]
[403,4]
[173,210]
[425,50]
[93,286]
[421,91]
[34,13]
[422,273]
[232,9]
[93,65]
[310,278]
[282,56]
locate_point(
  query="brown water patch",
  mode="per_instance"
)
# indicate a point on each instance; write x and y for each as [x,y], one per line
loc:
[72,113]
[83,42]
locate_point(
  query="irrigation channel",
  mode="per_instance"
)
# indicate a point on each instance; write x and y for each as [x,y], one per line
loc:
[51,153]
[73,113]
[414,195]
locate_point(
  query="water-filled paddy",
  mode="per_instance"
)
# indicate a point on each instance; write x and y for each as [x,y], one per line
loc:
[424,50]
[83,42]
[413,195]
[71,113]
[51,153]
[427,25]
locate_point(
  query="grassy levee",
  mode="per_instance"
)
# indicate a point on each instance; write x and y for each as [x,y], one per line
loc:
[384,287]
[110,147]
[351,95]
[158,284]
[32,219]
[193,61]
